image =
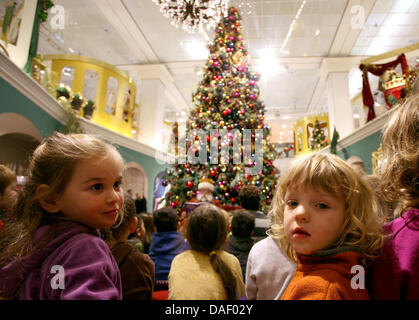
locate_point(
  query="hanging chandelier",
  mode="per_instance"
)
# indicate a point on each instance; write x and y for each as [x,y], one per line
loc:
[193,14]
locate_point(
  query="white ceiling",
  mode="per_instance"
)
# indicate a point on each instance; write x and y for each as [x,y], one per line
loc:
[126,33]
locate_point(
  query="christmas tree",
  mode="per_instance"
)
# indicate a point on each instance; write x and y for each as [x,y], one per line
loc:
[225,129]
[319,139]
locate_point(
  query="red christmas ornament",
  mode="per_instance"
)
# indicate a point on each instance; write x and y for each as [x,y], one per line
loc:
[189,185]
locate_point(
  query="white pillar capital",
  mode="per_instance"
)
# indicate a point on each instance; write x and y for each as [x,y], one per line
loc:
[338,64]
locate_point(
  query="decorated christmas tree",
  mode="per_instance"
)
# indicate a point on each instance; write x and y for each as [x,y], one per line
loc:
[318,139]
[225,129]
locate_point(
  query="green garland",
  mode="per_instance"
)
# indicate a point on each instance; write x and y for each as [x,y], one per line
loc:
[43,10]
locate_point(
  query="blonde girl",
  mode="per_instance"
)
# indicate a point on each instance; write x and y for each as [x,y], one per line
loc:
[52,248]
[326,218]
[399,262]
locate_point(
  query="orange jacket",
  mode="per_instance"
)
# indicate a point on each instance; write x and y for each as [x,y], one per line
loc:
[326,276]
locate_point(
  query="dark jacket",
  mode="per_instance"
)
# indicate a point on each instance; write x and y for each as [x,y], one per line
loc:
[239,247]
[164,247]
[140,205]
[137,272]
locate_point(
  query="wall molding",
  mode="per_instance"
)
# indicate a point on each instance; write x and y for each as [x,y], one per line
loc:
[361,133]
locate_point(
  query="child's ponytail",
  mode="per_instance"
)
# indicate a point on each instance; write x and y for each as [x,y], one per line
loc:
[226,275]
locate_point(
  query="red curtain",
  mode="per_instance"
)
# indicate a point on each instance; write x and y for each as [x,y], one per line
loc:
[377,70]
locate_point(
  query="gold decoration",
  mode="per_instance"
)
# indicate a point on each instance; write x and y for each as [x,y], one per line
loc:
[377,159]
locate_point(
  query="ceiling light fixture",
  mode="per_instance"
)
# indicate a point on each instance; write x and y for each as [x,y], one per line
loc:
[193,14]
[291,29]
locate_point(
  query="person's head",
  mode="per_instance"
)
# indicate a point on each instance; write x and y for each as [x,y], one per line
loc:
[242,224]
[149,228]
[78,177]
[206,231]
[8,192]
[73,177]
[400,144]
[140,231]
[205,190]
[249,197]
[357,164]
[321,203]
[165,219]
[128,223]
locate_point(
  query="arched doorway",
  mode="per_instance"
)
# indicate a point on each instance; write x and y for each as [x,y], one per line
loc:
[19,137]
[135,179]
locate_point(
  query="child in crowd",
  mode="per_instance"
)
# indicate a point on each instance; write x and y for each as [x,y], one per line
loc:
[206,272]
[137,269]
[326,217]
[149,228]
[167,242]
[249,199]
[240,241]
[268,270]
[134,238]
[54,250]
[8,192]
[395,274]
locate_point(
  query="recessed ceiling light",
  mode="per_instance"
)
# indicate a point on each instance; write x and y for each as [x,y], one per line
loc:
[317,32]
[284,126]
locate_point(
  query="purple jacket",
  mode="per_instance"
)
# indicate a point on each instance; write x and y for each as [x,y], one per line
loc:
[90,271]
[395,275]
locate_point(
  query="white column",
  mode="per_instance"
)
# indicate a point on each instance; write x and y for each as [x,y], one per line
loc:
[339,103]
[152,99]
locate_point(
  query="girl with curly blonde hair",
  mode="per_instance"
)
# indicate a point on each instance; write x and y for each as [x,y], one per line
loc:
[325,216]
[395,274]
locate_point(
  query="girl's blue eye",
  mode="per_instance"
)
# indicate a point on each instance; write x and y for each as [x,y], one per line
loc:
[96,187]
[292,203]
[117,185]
[322,206]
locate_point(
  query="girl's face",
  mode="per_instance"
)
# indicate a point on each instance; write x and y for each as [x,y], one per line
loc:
[9,197]
[312,218]
[94,196]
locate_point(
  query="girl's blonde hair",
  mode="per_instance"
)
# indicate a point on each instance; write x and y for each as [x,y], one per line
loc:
[52,164]
[400,144]
[362,226]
